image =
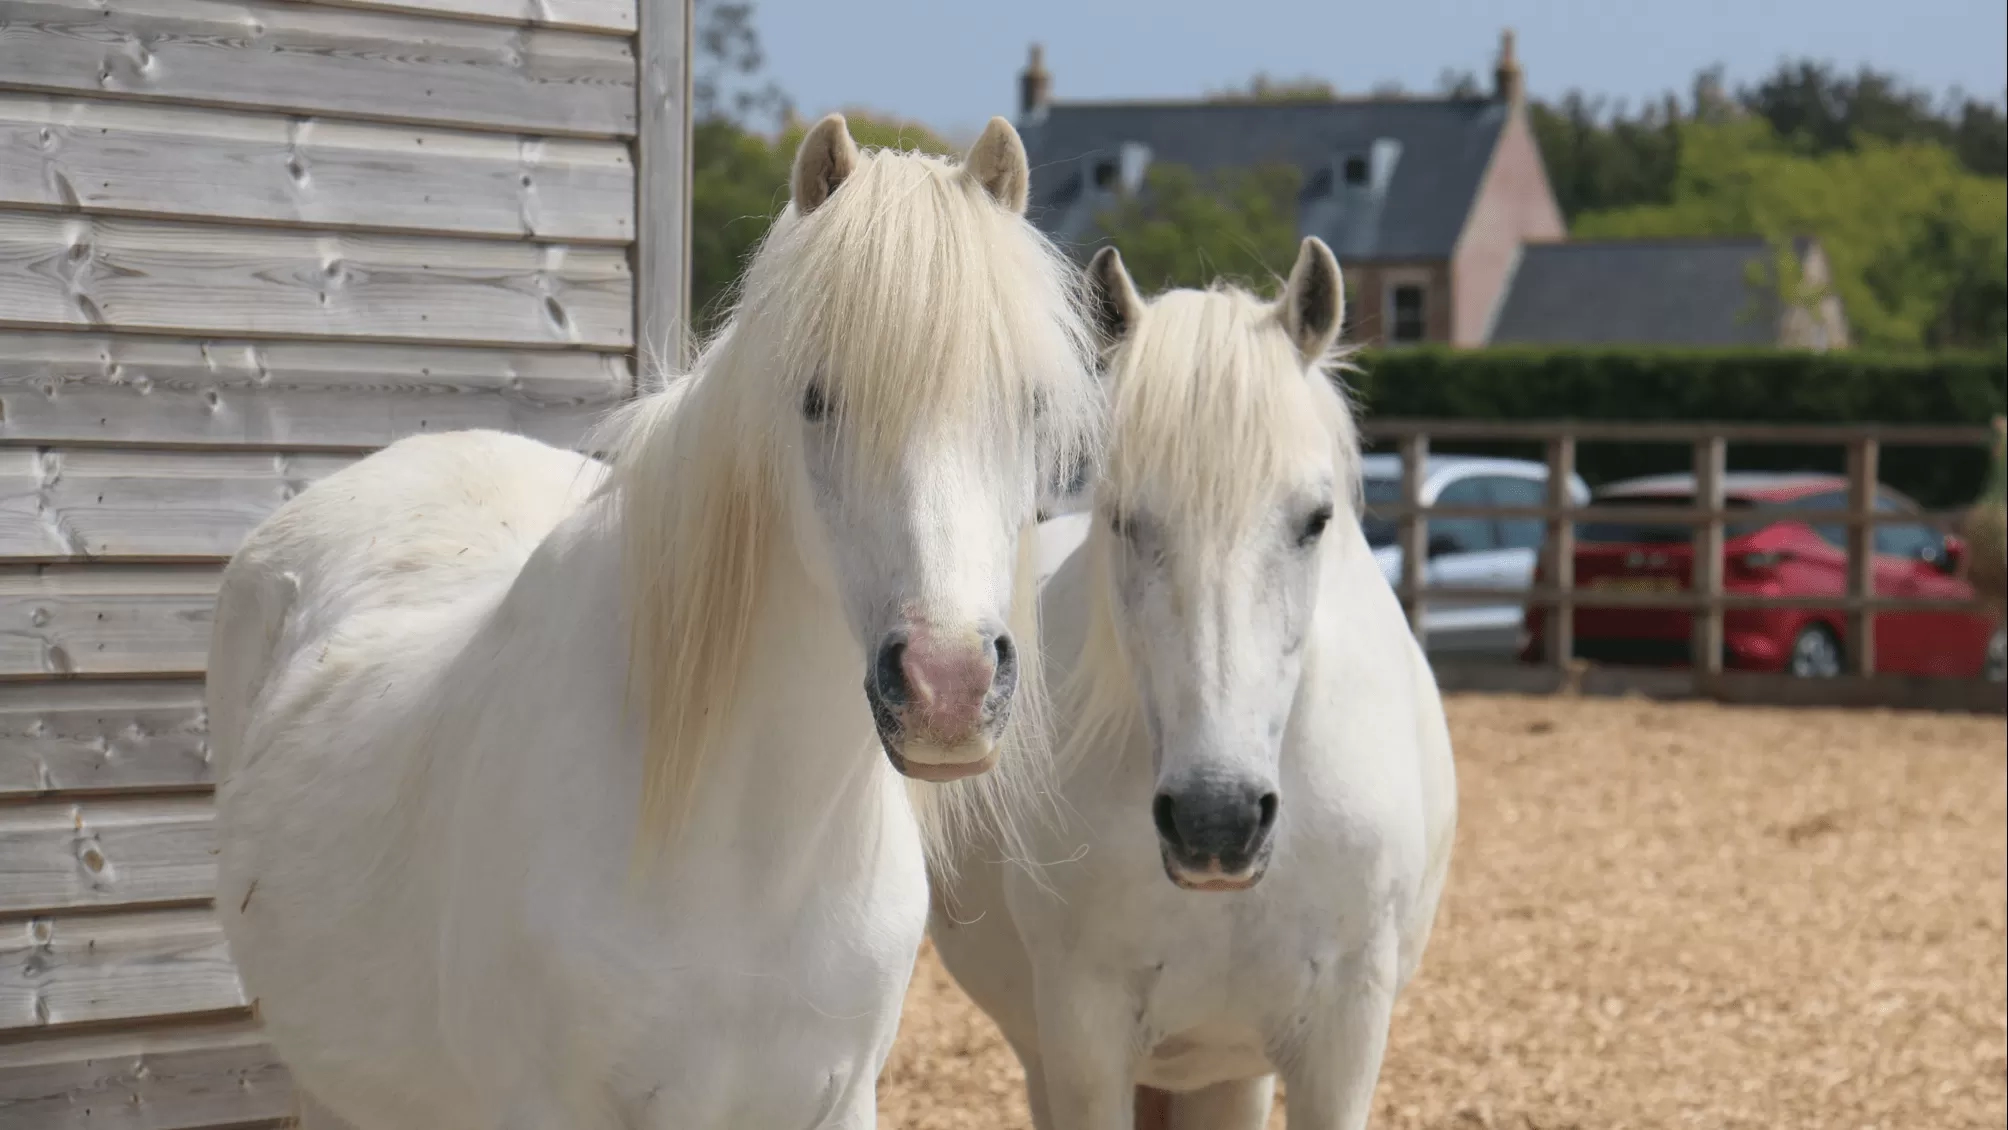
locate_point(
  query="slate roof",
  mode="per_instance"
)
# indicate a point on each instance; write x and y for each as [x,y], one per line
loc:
[1693,292]
[1444,148]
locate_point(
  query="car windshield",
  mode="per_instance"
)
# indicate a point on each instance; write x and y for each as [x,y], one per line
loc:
[1380,530]
[1658,533]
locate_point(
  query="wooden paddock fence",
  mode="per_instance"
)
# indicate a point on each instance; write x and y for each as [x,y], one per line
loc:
[242,244]
[1558,596]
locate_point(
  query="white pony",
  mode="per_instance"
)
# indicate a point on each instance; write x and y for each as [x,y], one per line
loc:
[549,800]
[1245,699]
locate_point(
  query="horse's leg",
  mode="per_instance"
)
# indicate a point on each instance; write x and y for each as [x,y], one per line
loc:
[1329,1077]
[1084,1053]
[1035,1089]
[1239,1105]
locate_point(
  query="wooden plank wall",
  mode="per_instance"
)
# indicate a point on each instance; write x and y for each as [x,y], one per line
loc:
[243,243]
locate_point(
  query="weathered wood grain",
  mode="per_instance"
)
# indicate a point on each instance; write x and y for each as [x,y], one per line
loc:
[662,254]
[96,736]
[98,273]
[57,504]
[105,619]
[102,388]
[62,855]
[197,1077]
[133,158]
[59,971]
[308,59]
[608,17]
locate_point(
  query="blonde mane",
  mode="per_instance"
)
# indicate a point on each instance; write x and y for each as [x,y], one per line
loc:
[915,302]
[1210,404]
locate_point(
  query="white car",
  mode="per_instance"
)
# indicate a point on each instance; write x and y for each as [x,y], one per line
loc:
[1481,553]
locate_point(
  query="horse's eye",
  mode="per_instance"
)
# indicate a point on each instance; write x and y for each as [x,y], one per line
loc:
[814,406]
[1119,525]
[1314,526]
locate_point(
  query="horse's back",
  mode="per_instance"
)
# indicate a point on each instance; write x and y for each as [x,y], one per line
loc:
[421,522]
[417,519]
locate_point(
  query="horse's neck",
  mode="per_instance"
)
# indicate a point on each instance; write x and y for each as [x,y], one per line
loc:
[1359,652]
[802,774]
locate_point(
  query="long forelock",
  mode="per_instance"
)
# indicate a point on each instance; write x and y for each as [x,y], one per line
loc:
[919,306]
[1212,408]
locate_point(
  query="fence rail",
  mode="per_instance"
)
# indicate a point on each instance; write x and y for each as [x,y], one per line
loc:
[1813,435]
[1707,518]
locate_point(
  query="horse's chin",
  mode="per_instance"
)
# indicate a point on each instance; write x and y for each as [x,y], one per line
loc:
[925,761]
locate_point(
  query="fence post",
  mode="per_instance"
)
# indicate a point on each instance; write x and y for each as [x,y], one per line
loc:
[1414,534]
[1710,458]
[1863,456]
[1561,548]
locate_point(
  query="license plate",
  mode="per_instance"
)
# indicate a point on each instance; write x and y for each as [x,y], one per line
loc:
[1636,584]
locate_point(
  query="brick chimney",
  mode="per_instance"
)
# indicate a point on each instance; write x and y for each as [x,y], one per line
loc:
[1508,84]
[1035,88]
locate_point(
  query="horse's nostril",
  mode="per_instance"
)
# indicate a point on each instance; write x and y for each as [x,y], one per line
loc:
[1267,818]
[889,673]
[1007,659]
[1161,814]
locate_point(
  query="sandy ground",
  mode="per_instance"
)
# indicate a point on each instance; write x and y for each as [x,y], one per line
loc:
[1664,916]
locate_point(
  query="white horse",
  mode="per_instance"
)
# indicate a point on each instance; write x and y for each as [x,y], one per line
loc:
[1244,700]
[549,800]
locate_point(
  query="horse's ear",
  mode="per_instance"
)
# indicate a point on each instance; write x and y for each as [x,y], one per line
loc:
[1113,304]
[997,162]
[827,156]
[1314,301]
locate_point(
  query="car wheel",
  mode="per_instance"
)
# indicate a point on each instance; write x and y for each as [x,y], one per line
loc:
[1816,653]
[1997,655]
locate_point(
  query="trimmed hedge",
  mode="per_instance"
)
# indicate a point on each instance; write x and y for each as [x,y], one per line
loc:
[1741,386]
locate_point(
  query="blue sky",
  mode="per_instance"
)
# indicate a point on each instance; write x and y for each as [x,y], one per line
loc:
[953,63]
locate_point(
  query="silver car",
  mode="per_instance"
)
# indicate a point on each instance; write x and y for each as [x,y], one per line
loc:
[1480,553]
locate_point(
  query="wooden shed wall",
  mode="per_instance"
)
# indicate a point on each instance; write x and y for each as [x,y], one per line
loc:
[243,243]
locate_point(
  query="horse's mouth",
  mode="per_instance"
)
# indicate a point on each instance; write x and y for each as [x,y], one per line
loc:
[1210,875]
[970,757]
[942,771]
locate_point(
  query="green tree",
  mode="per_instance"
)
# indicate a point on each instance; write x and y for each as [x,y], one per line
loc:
[1917,244]
[1603,155]
[1187,230]
[739,183]
[1819,109]
[1600,158]
[726,83]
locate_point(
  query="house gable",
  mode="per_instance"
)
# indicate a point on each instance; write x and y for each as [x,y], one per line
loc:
[1514,205]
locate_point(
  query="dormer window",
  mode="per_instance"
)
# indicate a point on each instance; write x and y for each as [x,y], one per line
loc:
[1356,172]
[1122,171]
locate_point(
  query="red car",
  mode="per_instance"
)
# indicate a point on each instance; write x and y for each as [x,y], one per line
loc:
[1776,558]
